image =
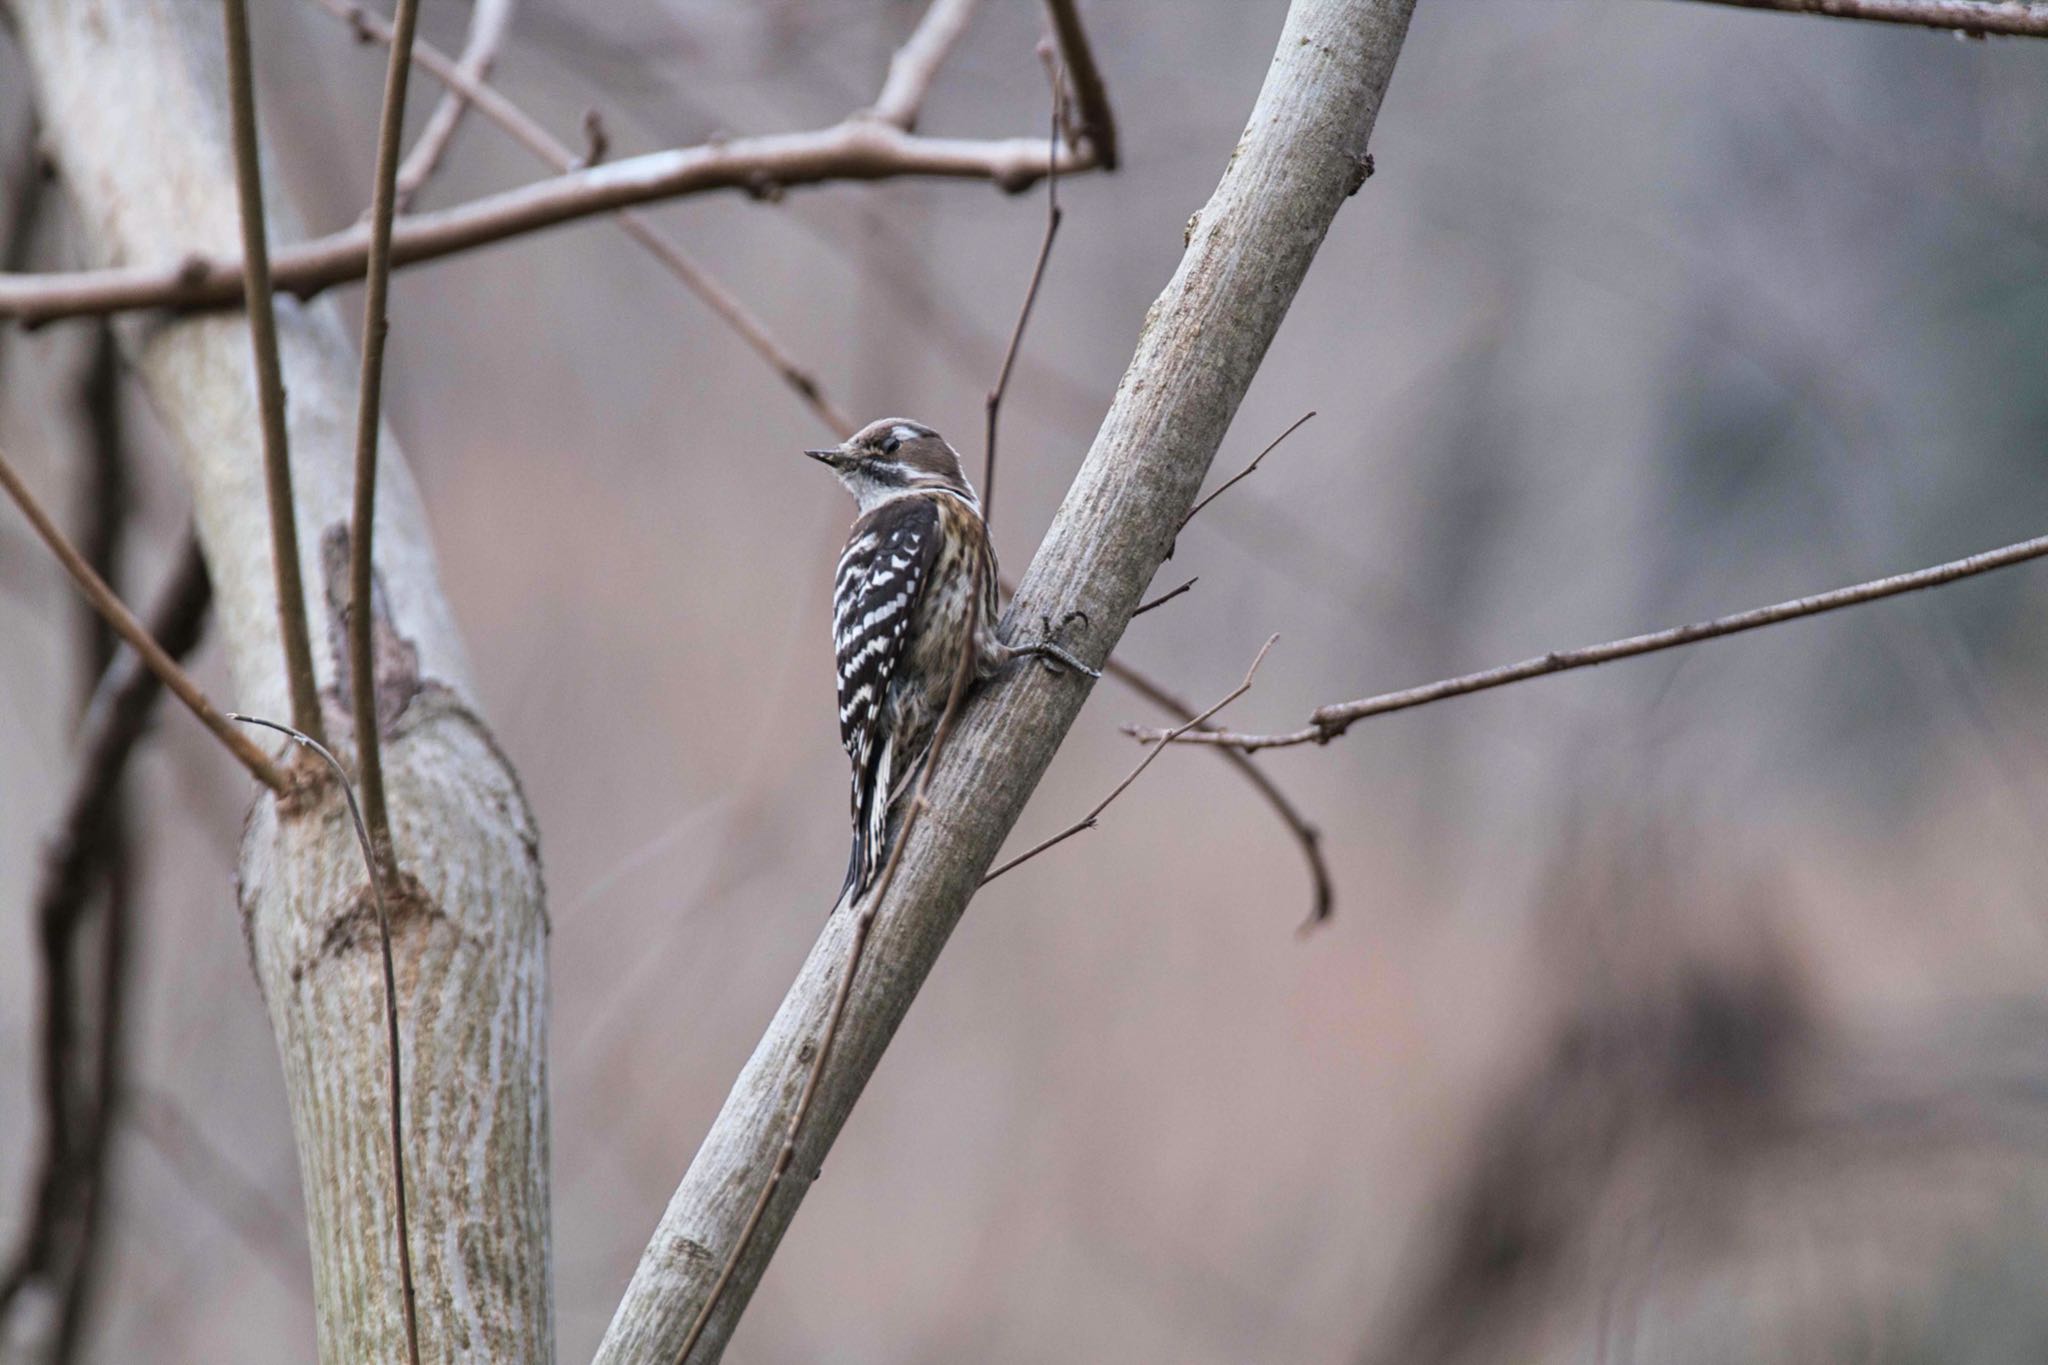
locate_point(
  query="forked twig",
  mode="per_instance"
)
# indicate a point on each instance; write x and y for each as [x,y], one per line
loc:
[1053,214]
[369,411]
[277,466]
[1331,721]
[138,637]
[1305,833]
[394,1074]
[1088,821]
[1323,887]
[869,907]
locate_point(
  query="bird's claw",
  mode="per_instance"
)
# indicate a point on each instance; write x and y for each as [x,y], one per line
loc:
[1052,653]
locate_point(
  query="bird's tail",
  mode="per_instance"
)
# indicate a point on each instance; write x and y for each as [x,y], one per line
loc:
[870,830]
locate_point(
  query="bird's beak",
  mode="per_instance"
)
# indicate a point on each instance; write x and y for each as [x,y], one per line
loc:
[834,456]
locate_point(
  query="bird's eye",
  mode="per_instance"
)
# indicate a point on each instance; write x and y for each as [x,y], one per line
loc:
[889,445]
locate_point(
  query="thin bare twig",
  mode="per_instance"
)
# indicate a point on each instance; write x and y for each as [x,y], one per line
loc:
[545,147]
[916,64]
[488,20]
[1087,821]
[869,907]
[1091,97]
[1164,597]
[1323,888]
[1244,473]
[1977,18]
[277,467]
[1331,721]
[376,837]
[395,1073]
[369,413]
[994,402]
[138,637]
[597,139]
[854,149]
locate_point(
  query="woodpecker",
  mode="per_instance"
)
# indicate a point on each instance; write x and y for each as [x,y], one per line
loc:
[914,593]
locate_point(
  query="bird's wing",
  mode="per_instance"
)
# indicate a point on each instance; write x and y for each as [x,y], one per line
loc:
[882,573]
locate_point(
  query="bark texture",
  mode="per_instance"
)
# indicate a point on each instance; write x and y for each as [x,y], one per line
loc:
[133,97]
[1302,154]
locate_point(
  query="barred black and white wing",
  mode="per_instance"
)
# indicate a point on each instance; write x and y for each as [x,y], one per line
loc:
[882,573]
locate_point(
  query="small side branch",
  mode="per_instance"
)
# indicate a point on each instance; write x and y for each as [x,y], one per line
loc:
[1331,721]
[1244,473]
[362,524]
[1298,825]
[488,20]
[1087,821]
[137,636]
[1096,126]
[1324,895]
[994,402]
[1975,18]
[1165,597]
[916,64]
[277,467]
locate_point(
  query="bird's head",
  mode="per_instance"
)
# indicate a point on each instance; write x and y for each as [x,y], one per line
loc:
[894,455]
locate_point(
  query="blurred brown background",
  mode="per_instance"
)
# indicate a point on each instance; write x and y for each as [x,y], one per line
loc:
[1676,1011]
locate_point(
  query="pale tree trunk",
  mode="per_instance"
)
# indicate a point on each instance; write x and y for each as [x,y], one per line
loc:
[1302,154]
[133,102]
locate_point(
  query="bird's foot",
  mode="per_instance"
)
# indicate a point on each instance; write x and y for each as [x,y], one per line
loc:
[1048,648]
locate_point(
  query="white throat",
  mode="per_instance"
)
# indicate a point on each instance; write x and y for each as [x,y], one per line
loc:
[871,493]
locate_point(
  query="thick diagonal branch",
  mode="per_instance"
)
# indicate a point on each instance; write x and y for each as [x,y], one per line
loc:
[1301,156]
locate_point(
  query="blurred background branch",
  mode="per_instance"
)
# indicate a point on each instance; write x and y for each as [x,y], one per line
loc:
[81,911]
[1975,18]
